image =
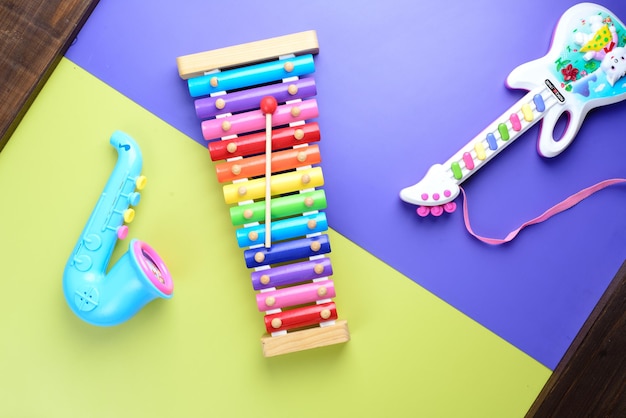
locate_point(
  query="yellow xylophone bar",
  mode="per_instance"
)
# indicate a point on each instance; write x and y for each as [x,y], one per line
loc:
[281,184]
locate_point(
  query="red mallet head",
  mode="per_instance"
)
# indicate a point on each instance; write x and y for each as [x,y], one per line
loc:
[268,105]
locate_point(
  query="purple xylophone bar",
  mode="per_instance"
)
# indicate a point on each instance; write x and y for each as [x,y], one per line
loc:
[289,274]
[243,100]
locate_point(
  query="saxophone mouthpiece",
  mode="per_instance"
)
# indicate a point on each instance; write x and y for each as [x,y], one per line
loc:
[140,275]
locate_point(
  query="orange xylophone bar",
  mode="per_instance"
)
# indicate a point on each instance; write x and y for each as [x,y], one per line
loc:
[255,166]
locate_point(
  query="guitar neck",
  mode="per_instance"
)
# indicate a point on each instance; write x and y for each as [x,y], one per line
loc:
[502,132]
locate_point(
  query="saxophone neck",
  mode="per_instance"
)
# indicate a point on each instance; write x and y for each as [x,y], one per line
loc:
[128,152]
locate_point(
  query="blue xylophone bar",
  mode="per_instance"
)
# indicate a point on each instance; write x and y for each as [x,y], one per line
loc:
[287,251]
[252,75]
[283,229]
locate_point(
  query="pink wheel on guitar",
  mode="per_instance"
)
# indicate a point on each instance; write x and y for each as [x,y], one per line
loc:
[436,210]
[423,211]
[449,207]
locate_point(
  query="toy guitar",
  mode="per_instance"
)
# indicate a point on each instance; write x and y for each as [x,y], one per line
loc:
[584,69]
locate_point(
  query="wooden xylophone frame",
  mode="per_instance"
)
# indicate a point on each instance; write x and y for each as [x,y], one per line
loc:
[292,275]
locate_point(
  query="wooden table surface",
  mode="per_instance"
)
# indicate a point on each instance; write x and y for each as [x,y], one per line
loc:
[590,380]
[34,35]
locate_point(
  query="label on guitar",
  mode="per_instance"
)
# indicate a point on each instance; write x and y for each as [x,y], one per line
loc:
[555,91]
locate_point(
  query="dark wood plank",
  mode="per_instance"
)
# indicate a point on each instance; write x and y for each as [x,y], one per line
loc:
[590,380]
[34,36]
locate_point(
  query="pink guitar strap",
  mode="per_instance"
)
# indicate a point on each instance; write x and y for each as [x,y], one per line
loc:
[559,207]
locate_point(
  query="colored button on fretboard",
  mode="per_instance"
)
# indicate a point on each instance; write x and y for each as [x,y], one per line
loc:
[527,112]
[516,124]
[456,170]
[539,103]
[480,151]
[468,160]
[504,132]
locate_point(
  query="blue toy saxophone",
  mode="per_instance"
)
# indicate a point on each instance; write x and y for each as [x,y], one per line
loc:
[140,275]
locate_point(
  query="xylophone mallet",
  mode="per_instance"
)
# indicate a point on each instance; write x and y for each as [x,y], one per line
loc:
[268,107]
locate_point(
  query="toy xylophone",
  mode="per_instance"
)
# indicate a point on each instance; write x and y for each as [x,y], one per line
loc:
[583,69]
[281,222]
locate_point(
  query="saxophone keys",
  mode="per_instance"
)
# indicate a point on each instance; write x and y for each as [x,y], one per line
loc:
[122,232]
[82,262]
[92,242]
[134,198]
[129,215]
[140,182]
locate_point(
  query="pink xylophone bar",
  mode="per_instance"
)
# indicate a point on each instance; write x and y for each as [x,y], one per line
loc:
[292,276]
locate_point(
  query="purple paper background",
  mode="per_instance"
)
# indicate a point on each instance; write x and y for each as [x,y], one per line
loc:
[403,85]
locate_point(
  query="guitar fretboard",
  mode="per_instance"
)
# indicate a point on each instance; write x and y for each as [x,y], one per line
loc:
[501,133]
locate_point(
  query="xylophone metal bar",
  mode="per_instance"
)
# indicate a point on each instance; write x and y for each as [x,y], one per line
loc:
[254,120]
[253,75]
[283,229]
[300,317]
[255,166]
[293,273]
[281,207]
[242,100]
[287,251]
[253,144]
[281,184]
[296,295]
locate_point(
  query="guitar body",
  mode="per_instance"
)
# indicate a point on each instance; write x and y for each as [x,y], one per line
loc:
[585,65]
[584,68]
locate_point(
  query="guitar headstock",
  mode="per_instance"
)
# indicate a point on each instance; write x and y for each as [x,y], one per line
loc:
[584,68]
[436,189]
